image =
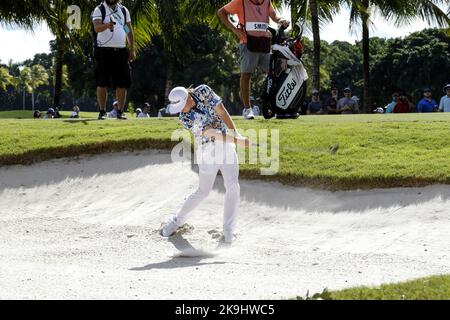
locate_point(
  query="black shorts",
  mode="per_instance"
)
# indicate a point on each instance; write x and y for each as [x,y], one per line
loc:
[112,66]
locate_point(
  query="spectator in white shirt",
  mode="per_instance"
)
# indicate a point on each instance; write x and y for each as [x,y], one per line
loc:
[444,106]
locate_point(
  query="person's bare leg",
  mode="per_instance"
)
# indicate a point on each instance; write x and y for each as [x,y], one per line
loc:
[121,95]
[246,79]
[102,94]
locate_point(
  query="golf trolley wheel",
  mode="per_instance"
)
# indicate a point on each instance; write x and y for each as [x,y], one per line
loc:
[288,116]
[267,111]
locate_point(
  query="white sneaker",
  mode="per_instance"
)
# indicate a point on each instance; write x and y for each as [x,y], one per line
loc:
[169,229]
[248,114]
[228,237]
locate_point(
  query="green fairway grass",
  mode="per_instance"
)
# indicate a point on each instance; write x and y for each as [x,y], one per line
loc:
[432,288]
[374,150]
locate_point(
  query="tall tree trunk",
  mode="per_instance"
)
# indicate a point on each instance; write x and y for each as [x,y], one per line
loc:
[367,103]
[170,69]
[317,46]
[58,72]
[32,100]
[294,12]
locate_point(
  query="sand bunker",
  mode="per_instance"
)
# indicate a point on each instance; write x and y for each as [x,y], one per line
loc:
[88,228]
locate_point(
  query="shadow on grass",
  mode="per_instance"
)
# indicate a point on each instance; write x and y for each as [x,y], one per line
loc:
[83,121]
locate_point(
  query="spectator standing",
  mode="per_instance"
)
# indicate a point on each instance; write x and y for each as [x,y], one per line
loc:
[315,106]
[403,105]
[254,17]
[112,26]
[444,106]
[331,105]
[391,106]
[427,104]
[347,105]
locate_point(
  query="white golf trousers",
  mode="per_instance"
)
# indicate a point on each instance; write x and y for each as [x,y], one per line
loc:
[211,158]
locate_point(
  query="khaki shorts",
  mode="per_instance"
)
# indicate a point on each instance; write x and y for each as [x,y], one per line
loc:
[250,61]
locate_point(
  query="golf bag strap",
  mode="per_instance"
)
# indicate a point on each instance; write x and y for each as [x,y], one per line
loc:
[102,9]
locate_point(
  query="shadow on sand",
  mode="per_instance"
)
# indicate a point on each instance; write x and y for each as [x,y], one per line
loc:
[56,171]
[273,195]
[188,256]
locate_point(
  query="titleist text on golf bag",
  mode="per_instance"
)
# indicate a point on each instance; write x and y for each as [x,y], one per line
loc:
[285,87]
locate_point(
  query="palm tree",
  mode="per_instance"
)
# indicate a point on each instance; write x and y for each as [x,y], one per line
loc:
[31,78]
[316,13]
[29,13]
[24,13]
[5,78]
[24,81]
[170,20]
[38,77]
[403,11]
[316,38]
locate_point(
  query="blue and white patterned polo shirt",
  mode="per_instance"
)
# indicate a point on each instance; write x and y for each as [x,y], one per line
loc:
[203,116]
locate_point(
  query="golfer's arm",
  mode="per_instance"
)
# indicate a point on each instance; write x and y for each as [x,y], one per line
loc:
[225,18]
[225,137]
[225,116]
[130,36]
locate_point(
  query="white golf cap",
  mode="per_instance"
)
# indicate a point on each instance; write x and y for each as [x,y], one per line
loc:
[178,98]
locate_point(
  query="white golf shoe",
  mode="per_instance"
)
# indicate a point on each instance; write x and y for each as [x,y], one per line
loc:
[169,229]
[248,114]
[228,237]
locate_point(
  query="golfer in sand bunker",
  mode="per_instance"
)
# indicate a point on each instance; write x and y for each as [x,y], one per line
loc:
[202,111]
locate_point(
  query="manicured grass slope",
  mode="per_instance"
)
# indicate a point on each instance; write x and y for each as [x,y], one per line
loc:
[432,288]
[374,150]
